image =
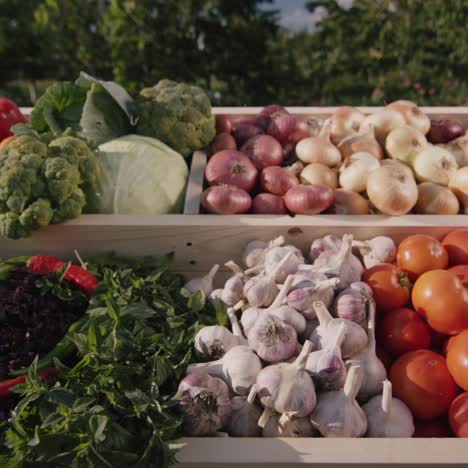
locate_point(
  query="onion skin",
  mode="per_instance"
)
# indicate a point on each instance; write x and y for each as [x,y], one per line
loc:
[308,199]
[223,141]
[404,143]
[443,131]
[397,164]
[392,190]
[223,199]
[282,125]
[349,203]
[363,142]
[223,124]
[267,203]
[319,174]
[459,185]
[300,132]
[244,131]
[412,114]
[435,199]
[272,109]
[231,168]
[277,180]
[345,122]
[434,164]
[263,151]
[262,121]
[384,122]
[459,148]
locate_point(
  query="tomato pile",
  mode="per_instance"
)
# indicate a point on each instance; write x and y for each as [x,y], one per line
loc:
[422,329]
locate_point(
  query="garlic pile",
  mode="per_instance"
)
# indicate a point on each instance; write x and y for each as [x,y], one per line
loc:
[300,357]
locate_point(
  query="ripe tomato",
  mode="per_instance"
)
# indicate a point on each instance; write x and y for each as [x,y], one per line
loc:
[462,272]
[432,428]
[440,296]
[419,253]
[456,244]
[421,379]
[457,359]
[390,286]
[403,330]
[458,415]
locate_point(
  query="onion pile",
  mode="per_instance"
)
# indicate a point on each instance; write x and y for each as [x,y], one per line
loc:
[394,161]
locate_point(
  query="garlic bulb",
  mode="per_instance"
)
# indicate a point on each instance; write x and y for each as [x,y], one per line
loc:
[351,304]
[311,325]
[238,368]
[287,388]
[345,122]
[273,257]
[212,342]
[330,242]
[254,251]
[205,404]
[204,283]
[326,365]
[436,199]
[215,295]
[387,416]
[362,142]
[434,164]
[319,149]
[337,413]
[355,338]
[404,143]
[355,170]
[413,115]
[383,121]
[243,421]
[295,427]
[374,372]
[380,249]
[458,184]
[233,290]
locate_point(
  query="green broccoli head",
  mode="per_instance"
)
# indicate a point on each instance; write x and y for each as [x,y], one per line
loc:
[71,208]
[178,114]
[79,154]
[25,144]
[61,177]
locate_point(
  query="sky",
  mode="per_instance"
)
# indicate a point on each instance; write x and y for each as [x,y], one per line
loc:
[296,17]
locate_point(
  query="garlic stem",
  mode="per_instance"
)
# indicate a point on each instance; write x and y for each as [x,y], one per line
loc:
[283,292]
[252,394]
[284,419]
[277,242]
[236,328]
[387,398]
[254,270]
[216,368]
[371,325]
[233,266]
[301,360]
[340,334]
[353,382]
[322,313]
[267,412]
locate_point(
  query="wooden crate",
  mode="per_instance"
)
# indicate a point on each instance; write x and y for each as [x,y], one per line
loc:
[201,240]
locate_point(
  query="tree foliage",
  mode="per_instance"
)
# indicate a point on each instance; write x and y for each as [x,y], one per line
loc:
[370,52]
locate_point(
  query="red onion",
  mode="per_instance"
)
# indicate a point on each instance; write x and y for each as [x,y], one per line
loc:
[224,199]
[309,199]
[244,131]
[267,203]
[223,141]
[443,131]
[277,180]
[231,168]
[281,126]
[223,124]
[263,121]
[272,109]
[263,151]
[300,132]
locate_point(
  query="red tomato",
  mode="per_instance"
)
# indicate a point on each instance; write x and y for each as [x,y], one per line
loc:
[403,330]
[456,244]
[438,341]
[390,286]
[458,415]
[457,359]
[440,296]
[432,428]
[419,253]
[421,379]
[462,272]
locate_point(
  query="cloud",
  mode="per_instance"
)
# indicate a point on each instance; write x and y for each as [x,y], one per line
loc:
[299,19]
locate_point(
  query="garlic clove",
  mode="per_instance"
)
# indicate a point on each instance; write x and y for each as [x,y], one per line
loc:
[204,283]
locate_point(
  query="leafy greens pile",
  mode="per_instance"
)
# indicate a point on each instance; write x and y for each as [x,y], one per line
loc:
[117,406]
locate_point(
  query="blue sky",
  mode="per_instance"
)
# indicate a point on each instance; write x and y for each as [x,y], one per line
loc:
[296,17]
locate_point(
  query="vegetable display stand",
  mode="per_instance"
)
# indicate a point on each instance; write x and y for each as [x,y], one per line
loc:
[199,241]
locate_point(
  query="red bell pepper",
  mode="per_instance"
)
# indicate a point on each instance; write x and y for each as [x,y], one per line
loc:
[7,385]
[9,116]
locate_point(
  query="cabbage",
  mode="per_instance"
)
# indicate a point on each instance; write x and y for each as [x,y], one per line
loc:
[140,175]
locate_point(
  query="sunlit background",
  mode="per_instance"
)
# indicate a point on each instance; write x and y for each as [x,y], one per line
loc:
[248,52]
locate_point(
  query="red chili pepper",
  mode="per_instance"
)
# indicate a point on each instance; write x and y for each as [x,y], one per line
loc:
[9,116]
[84,279]
[7,385]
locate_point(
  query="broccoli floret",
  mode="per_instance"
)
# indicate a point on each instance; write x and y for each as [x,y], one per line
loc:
[178,114]
[39,188]
[25,144]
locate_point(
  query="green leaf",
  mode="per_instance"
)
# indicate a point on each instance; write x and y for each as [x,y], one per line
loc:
[98,424]
[196,302]
[221,312]
[61,396]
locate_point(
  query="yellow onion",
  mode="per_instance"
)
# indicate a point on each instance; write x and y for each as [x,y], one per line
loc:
[412,114]
[436,199]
